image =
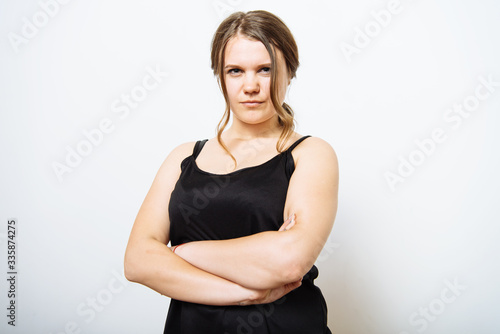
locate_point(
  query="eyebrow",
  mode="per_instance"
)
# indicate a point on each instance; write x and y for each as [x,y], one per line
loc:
[261,65]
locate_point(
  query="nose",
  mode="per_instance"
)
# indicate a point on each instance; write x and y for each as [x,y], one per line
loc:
[251,84]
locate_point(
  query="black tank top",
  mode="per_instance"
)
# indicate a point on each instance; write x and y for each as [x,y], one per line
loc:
[208,206]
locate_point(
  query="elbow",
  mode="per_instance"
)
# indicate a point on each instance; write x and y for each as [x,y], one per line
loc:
[294,270]
[295,263]
[140,259]
[130,273]
[131,267]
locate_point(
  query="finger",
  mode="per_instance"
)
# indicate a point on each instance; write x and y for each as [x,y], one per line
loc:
[286,222]
[296,284]
[292,286]
[290,224]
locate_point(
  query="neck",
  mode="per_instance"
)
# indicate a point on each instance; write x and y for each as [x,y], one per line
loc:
[245,131]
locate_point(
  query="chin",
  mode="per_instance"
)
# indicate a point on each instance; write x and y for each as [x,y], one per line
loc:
[255,115]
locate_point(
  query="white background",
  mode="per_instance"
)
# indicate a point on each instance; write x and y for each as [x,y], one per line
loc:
[392,251]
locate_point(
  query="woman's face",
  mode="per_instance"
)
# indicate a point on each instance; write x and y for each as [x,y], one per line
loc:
[247,72]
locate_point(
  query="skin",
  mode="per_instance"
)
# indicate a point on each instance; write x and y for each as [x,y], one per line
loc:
[248,78]
[255,269]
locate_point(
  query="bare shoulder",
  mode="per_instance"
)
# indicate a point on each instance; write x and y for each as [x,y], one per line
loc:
[182,151]
[172,163]
[315,150]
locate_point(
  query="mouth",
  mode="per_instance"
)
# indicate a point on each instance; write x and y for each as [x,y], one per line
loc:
[251,103]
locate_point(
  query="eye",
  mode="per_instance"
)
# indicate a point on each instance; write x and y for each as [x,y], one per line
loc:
[234,71]
[266,69]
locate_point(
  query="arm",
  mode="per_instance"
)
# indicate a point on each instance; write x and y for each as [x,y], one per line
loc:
[273,258]
[150,262]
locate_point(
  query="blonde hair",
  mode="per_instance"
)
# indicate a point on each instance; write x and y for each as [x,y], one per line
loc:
[274,34]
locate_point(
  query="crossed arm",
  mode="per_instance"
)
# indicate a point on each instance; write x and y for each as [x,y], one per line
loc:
[255,269]
[270,259]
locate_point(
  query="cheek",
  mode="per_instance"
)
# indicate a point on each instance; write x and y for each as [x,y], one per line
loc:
[232,88]
[265,86]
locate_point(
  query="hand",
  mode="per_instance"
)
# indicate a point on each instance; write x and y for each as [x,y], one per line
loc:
[173,248]
[270,295]
[288,224]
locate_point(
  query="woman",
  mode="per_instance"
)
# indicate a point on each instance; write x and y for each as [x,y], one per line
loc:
[247,212]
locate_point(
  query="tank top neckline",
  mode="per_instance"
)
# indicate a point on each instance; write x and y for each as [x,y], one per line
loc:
[197,150]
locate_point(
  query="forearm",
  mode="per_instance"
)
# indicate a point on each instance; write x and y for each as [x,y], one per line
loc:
[259,261]
[152,264]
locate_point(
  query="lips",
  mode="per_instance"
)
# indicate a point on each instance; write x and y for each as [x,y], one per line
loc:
[252,103]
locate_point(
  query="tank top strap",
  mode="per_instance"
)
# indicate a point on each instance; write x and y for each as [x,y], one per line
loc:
[290,149]
[198,146]
[289,162]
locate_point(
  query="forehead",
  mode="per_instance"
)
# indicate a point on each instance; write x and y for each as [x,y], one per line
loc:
[244,51]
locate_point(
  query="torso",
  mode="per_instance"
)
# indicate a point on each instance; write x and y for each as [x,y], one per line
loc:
[211,203]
